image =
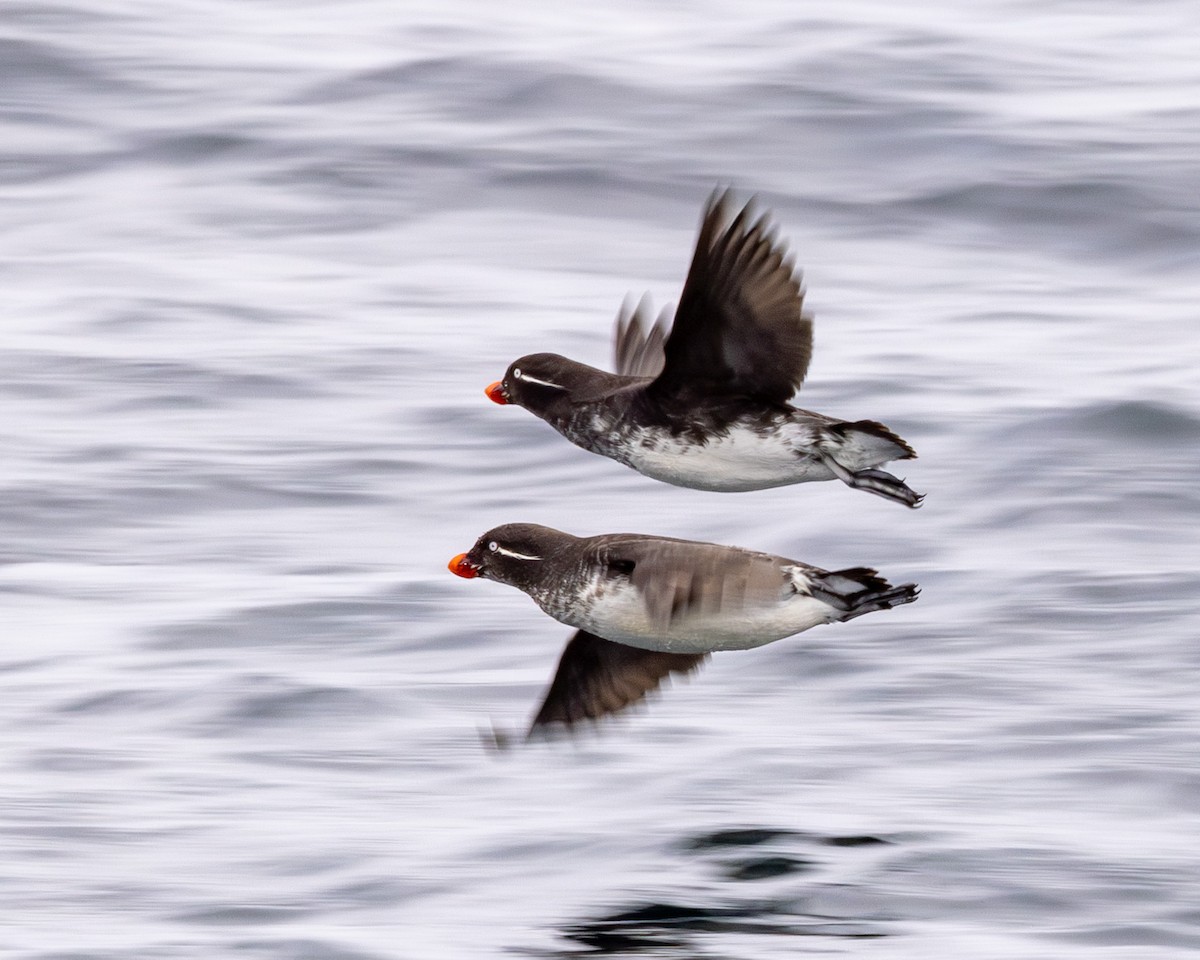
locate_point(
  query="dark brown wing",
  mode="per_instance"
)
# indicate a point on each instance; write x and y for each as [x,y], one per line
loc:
[740,328]
[597,677]
[638,345]
[680,580]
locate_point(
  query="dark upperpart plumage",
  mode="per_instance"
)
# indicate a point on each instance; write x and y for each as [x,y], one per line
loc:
[740,327]
[737,351]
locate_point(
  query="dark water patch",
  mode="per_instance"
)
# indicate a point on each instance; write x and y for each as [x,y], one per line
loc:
[1009,884]
[657,925]
[60,824]
[22,666]
[1101,602]
[1138,421]
[59,15]
[863,840]
[36,70]
[447,73]
[156,952]
[1103,770]
[293,706]
[32,168]
[1127,467]
[914,134]
[765,868]
[646,927]
[746,837]
[1123,422]
[353,188]
[1147,509]
[341,761]
[208,148]
[243,915]
[106,453]
[378,892]
[170,386]
[813,663]
[1084,736]
[863,393]
[343,625]
[294,948]
[792,852]
[329,487]
[310,863]
[365,469]
[36,510]
[1097,217]
[569,186]
[131,503]
[484,87]
[150,313]
[1133,588]
[362,168]
[161,400]
[1187,916]
[1142,936]
[127,701]
[127,384]
[80,760]
[183,490]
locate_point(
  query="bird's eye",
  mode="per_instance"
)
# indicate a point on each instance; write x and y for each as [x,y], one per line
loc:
[517,372]
[493,546]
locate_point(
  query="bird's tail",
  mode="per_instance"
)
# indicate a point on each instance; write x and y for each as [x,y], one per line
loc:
[860,590]
[874,443]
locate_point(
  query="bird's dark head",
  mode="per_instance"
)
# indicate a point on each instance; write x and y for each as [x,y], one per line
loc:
[514,553]
[538,382]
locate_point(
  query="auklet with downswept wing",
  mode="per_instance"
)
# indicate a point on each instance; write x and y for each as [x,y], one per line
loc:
[646,607]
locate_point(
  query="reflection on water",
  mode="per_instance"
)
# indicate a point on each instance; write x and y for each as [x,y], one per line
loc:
[817,906]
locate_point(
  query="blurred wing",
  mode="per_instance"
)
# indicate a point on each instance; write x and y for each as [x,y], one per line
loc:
[596,677]
[639,340]
[740,327]
[680,580]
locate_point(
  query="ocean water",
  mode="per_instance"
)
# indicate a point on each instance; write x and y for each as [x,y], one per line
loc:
[258,262]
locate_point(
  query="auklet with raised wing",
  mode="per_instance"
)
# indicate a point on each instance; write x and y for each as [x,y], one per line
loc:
[646,607]
[706,406]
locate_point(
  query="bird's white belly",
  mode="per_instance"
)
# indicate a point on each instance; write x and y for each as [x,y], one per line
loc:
[739,459]
[619,613]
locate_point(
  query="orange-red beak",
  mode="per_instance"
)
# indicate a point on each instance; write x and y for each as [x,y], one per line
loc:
[460,566]
[496,393]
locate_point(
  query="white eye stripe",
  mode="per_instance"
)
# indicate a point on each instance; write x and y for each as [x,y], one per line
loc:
[512,553]
[528,379]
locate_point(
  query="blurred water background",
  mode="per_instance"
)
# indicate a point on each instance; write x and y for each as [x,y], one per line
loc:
[257,263]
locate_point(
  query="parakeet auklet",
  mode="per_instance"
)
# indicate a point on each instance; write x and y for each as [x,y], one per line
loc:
[645,607]
[706,405]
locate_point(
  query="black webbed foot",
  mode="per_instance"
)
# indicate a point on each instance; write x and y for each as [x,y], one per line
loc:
[879,482]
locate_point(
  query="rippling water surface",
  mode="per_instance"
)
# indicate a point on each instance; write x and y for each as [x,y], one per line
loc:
[258,262]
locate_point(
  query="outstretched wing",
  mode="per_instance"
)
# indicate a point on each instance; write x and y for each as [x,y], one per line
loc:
[740,326]
[638,344]
[597,677]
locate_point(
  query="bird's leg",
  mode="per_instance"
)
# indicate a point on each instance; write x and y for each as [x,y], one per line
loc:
[878,482]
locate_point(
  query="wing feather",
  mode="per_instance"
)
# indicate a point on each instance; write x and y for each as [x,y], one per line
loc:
[638,344]
[679,579]
[596,677]
[740,327]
